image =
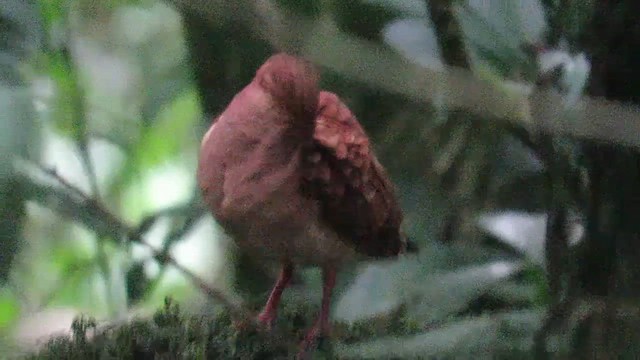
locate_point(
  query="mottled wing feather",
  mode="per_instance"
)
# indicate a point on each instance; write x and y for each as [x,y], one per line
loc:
[358,200]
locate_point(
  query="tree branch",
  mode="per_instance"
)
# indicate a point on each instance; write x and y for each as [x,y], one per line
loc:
[323,43]
[47,188]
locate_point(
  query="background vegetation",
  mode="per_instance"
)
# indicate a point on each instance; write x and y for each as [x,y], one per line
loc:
[520,190]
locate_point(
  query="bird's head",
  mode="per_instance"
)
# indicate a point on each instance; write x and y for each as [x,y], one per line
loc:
[292,82]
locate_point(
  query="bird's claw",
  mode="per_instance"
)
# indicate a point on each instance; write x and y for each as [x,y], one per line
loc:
[266,320]
[315,338]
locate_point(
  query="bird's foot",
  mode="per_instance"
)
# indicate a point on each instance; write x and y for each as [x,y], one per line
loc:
[314,338]
[266,319]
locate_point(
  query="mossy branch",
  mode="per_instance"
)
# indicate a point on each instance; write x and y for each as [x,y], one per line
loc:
[173,334]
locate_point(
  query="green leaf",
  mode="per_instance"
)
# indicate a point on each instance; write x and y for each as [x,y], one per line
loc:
[52,11]
[9,308]
[514,292]
[417,8]
[416,39]
[440,295]
[179,290]
[496,31]
[433,285]
[171,133]
[68,103]
[310,8]
[484,336]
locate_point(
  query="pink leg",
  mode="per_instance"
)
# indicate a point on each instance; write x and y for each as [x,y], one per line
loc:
[270,311]
[321,327]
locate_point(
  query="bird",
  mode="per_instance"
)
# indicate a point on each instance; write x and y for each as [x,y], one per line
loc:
[290,174]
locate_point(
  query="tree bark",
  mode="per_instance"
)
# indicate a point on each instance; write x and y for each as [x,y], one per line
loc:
[608,276]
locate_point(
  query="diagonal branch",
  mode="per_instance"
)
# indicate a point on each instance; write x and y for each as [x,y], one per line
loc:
[378,66]
[47,188]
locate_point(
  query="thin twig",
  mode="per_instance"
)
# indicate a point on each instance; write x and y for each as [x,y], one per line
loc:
[195,211]
[48,188]
[193,208]
[83,147]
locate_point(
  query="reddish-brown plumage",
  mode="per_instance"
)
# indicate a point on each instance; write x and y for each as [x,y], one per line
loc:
[289,173]
[342,172]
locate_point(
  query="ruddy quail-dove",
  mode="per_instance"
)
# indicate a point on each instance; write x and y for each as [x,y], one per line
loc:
[289,174]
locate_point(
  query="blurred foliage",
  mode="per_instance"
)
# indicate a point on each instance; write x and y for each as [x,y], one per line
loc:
[21,36]
[107,101]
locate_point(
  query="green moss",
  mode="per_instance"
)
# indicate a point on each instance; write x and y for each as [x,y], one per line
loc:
[170,334]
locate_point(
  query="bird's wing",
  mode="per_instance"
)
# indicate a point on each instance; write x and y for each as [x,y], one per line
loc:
[357,198]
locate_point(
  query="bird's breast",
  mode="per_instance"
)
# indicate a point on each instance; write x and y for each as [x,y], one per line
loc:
[253,186]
